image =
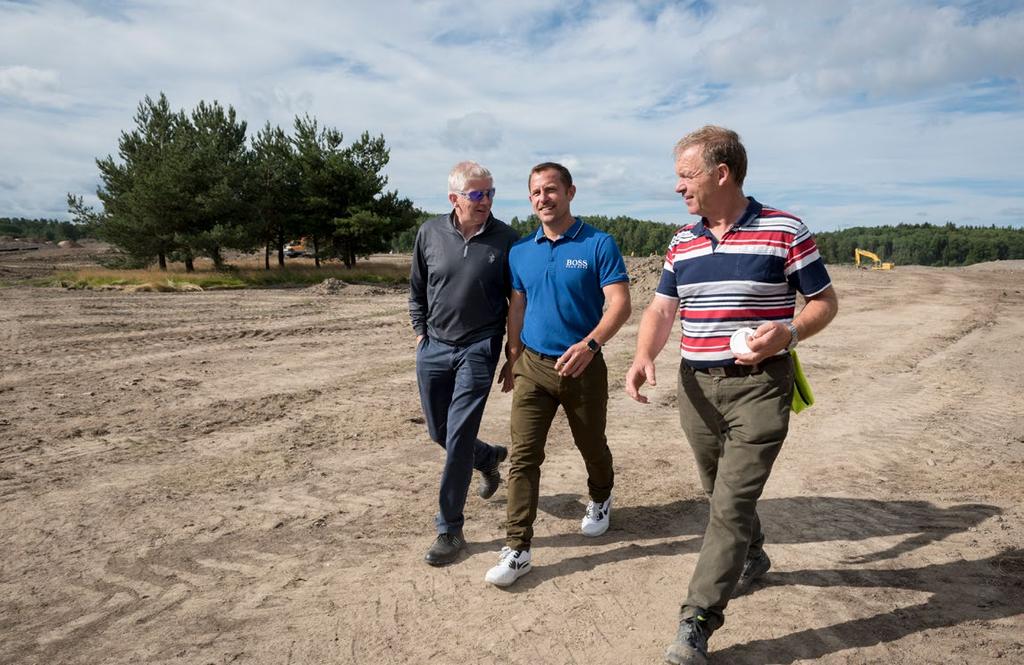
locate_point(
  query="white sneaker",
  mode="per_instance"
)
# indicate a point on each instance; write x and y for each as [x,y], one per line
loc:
[595,522]
[512,564]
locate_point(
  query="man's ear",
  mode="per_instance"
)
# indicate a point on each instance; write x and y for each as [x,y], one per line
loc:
[722,171]
[572,191]
[452,198]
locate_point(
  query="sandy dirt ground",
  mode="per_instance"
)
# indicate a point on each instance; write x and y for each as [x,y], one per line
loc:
[245,477]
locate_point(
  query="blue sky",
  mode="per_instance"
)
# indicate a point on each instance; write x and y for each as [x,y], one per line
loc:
[853,113]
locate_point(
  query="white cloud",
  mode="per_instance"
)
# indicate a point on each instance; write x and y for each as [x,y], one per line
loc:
[472,132]
[874,47]
[28,84]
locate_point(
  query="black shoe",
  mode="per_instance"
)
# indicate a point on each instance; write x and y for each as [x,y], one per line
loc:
[753,569]
[491,478]
[445,549]
[691,645]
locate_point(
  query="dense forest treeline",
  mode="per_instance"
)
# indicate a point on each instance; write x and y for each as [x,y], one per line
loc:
[53,230]
[924,244]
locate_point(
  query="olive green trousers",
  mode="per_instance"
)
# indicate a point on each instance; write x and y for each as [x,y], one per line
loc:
[735,426]
[538,393]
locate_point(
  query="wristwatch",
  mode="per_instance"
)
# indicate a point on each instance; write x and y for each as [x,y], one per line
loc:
[593,345]
[795,337]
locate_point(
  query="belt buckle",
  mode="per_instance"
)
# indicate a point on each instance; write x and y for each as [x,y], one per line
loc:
[717,371]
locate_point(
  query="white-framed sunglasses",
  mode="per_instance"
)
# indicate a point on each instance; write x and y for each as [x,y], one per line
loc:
[476,196]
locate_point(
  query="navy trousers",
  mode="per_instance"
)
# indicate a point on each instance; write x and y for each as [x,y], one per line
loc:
[454,382]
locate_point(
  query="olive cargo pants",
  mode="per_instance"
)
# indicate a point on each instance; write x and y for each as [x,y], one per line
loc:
[538,392]
[735,426]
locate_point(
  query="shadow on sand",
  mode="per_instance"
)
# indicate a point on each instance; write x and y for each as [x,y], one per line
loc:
[790,520]
[961,591]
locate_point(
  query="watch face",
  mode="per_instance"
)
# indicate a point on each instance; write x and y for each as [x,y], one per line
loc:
[593,345]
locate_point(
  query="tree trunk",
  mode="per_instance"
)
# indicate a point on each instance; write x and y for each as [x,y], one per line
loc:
[189,265]
[162,258]
[218,259]
[316,251]
[280,248]
[266,256]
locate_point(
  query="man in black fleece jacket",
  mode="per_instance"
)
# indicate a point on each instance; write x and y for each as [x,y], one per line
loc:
[458,303]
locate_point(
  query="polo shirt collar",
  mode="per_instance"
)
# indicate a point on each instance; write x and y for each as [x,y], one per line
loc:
[752,212]
[571,232]
[483,227]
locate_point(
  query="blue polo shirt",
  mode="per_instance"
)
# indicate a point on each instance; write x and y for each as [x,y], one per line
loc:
[563,282]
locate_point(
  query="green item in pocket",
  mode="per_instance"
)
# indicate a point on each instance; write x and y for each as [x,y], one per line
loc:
[802,395]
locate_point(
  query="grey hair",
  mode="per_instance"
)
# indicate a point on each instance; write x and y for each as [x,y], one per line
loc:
[462,173]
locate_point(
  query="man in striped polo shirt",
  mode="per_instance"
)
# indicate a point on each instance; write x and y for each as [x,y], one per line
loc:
[740,266]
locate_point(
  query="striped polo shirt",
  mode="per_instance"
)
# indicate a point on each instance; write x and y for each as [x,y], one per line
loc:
[749,277]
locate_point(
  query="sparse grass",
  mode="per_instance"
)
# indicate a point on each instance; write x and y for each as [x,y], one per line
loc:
[248,274]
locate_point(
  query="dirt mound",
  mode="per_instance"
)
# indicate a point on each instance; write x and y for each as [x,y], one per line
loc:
[332,287]
[1011,265]
[372,290]
[328,287]
[644,273]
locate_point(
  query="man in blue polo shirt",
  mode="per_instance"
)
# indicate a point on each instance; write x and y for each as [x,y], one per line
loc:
[562,276]
[740,266]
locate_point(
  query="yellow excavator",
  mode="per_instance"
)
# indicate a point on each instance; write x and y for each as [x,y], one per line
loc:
[876,263]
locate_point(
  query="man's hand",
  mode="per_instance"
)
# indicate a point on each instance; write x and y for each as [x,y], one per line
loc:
[419,338]
[655,327]
[506,377]
[772,337]
[641,372]
[574,360]
[767,340]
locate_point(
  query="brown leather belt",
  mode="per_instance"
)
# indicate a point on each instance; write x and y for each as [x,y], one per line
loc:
[542,356]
